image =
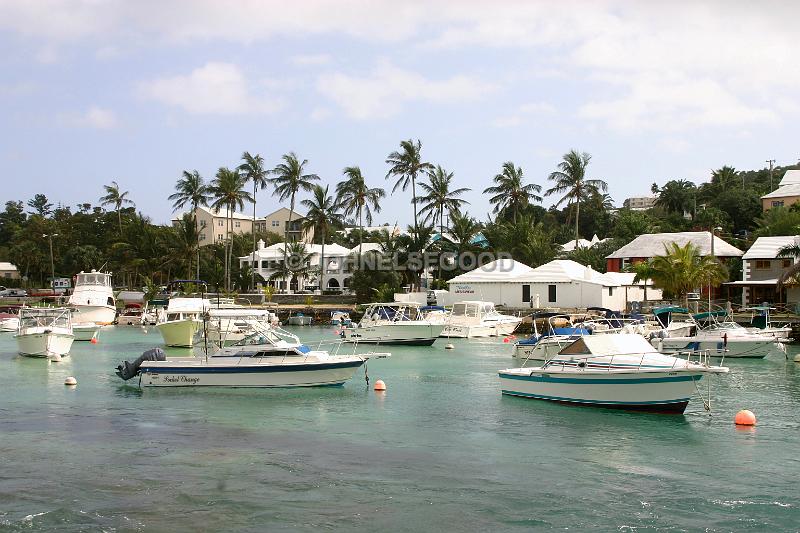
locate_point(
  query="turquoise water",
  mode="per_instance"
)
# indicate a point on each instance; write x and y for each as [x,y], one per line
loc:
[440,450]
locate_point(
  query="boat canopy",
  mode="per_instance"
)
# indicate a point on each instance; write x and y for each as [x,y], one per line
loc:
[669,309]
[618,344]
[432,308]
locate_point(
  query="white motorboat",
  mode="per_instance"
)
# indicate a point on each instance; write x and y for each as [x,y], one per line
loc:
[9,318]
[394,323]
[131,315]
[618,371]
[762,324]
[154,311]
[85,331]
[182,321]
[340,318]
[44,332]
[723,339]
[93,298]
[229,326]
[470,319]
[269,357]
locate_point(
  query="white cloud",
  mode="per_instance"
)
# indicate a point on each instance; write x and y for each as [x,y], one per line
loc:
[47,55]
[523,113]
[304,60]
[320,113]
[215,88]
[94,117]
[388,88]
[507,122]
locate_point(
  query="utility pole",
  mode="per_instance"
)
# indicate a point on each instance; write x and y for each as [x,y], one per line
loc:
[771,162]
[52,264]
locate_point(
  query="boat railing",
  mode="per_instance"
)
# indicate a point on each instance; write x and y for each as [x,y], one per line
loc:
[582,363]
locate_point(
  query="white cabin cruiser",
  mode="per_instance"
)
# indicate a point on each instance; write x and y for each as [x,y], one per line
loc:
[470,319]
[394,323]
[269,357]
[9,318]
[762,324]
[618,371]
[723,339]
[44,332]
[93,298]
[182,321]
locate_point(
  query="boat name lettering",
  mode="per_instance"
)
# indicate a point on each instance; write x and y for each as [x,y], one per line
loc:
[181,379]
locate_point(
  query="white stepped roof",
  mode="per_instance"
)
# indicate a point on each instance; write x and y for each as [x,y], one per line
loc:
[500,270]
[4,265]
[792,189]
[791,177]
[565,271]
[768,247]
[582,243]
[652,245]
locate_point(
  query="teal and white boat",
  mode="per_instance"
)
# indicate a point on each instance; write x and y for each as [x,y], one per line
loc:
[620,371]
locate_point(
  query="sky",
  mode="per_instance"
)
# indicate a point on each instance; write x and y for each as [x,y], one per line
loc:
[98,90]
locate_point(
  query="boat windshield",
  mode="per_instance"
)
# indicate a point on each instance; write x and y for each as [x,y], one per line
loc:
[265,334]
[94,278]
[43,317]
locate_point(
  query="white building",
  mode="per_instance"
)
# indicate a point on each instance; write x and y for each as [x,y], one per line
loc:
[338,267]
[640,203]
[761,269]
[560,283]
[8,270]
[582,243]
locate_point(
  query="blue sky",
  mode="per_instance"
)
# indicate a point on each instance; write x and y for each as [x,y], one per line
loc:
[94,91]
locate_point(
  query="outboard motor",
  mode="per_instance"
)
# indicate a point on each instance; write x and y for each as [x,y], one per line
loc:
[128,370]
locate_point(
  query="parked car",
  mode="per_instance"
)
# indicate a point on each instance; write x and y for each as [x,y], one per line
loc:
[13,292]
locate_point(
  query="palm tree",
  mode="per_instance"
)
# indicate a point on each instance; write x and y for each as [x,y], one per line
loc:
[322,215]
[288,180]
[571,180]
[406,165]
[438,196]
[789,276]
[682,269]
[354,197]
[675,196]
[252,168]
[644,273]
[725,177]
[297,263]
[510,192]
[117,199]
[191,189]
[227,190]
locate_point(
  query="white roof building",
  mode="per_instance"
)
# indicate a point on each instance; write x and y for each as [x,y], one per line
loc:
[560,283]
[786,194]
[769,247]
[582,243]
[8,270]
[652,245]
[762,267]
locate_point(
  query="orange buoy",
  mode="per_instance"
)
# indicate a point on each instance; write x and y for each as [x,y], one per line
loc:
[505,339]
[745,418]
[380,385]
[94,340]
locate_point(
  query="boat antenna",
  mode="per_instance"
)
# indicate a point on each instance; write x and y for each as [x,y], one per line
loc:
[102,267]
[205,320]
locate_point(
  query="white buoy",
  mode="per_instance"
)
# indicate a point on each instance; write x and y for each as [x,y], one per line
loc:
[797,358]
[70,381]
[449,347]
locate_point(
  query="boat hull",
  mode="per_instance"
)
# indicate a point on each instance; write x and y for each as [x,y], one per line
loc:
[667,392]
[479,330]
[395,334]
[751,348]
[44,344]
[197,374]
[9,324]
[99,314]
[180,333]
[299,321]
[85,333]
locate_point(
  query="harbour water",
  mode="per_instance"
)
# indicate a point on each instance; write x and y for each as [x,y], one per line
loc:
[440,450]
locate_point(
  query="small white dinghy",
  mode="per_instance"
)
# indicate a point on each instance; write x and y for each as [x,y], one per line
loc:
[620,371]
[269,357]
[86,331]
[44,332]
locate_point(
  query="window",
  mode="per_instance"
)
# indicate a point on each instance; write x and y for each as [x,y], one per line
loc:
[275,223]
[220,223]
[220,237]
[526,293]
[551,293]
[777,203]
[202,236]
[762,264]
[264,264]
[237,224]
[202,223]
[611,291]
[787,263]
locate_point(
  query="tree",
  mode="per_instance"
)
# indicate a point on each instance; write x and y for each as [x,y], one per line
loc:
[252,168]
[191,189]
[644,273]
[676,196]
[116,198]
[510,192]
[682,270]
[724,178]
[322,214]
[40,205]
[227,190]
[571,180]
[354,197]
[297,263]
[439,198]
[406,165]
[289,179]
